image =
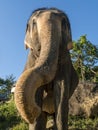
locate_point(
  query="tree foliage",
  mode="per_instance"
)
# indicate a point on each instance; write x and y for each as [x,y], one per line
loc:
[6,85]
[84,56]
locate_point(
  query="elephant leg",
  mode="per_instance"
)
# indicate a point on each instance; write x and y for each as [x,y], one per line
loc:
[74,81]
[56,101]
[40,123]
[61,105]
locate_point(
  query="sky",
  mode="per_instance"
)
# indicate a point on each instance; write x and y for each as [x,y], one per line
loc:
[83,15]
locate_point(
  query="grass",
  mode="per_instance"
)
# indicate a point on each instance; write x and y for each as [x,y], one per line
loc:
[10,120]
[76,122]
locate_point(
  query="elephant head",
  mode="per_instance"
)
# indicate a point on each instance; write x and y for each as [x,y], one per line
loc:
[46,29]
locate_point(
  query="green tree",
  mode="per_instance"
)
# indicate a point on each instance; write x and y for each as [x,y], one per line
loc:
[84,56]
[9,81]
[6,85]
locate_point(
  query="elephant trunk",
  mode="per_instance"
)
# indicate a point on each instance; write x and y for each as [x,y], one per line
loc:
[42,73]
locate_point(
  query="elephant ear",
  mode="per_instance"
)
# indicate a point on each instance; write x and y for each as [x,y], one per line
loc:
[66,33]
[31,38]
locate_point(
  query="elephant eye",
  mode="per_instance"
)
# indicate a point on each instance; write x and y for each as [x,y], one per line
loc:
[34,22]
[28,28]
[63,22]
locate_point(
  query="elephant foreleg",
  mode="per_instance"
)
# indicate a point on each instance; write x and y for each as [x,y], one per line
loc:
[40,122]
[74,81]
[61,105]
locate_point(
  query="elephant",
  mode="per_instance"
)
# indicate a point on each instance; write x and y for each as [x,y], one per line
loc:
[49,78]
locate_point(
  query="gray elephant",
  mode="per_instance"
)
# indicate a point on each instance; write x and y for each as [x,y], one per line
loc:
[49,79]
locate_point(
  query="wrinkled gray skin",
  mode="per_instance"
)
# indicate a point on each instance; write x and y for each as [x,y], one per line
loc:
[48,69]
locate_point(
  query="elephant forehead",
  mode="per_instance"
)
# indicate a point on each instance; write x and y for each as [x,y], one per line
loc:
[47,13]
[48,17]
[40,11]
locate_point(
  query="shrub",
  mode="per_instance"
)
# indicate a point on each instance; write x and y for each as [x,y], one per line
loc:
[10,119]
[9,116]
[20,126]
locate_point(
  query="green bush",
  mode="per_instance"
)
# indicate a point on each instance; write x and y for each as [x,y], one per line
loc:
[20,126]
[76,122]
[10,119]
[9,116]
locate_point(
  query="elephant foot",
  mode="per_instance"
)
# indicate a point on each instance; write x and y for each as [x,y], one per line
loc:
[40,123]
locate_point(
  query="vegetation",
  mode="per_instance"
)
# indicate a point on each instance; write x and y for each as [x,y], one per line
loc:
[80,123]
[5,86]
[85,56]
[10,119]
